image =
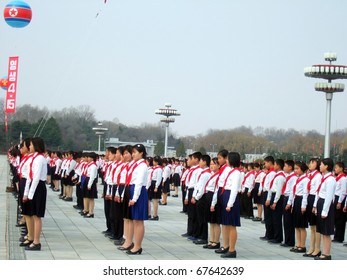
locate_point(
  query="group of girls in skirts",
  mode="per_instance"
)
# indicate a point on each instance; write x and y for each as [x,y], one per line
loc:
[32,192]
[215,192]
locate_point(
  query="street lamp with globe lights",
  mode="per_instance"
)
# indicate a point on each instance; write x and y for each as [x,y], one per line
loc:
[328,72]
[99,130]
[168,112]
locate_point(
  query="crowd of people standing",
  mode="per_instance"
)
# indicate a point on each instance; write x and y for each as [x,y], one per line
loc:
[216,193]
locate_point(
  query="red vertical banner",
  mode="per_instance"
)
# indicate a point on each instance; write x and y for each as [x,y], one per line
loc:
[10,105]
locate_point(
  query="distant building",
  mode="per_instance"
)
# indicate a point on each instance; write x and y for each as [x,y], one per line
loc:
[254,157]
[115,142]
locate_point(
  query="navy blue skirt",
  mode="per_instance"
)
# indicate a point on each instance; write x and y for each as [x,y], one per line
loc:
[299,219]
[139,211]
[38,203]
[311,217]
[325,226]
[231,218]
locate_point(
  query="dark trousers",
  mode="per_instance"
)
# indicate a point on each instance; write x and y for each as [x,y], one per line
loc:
[107,207]
[289,230]
[201,211]
[117,222]
[269,233]
[246,204]
[276,216]
[340,221]
[79,196]
[184,191]
[192,223]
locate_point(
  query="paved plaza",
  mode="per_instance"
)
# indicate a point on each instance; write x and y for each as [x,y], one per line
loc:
[67,235]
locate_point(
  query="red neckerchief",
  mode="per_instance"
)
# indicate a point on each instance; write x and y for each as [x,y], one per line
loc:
[152,172]
[191,170]
[226,179]
[322,181]
[287,180]
[31,165]
[204,171]
[124,166]
[297,182]
[311,176]
[214,175]
[220,172]
[246,176]
[281,173]
[267,173]
[342,175]
[131,171]
[21,164]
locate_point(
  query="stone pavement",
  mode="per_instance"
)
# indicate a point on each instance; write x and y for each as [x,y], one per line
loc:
[68,236]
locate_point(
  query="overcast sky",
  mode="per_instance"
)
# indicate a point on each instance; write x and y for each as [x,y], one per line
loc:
[221,63]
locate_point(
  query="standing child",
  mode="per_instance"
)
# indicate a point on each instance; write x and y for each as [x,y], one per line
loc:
[298,202]
[315,178]
[257,192]
[89,187]
[339,201]
[230,208]
[137,179]
[35,189]
[213,216]
[155,189]
[275,200]
[289,230]
[177,176]
[324,207]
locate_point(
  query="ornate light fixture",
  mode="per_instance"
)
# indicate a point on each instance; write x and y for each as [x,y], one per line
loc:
[167,112]
[328,72]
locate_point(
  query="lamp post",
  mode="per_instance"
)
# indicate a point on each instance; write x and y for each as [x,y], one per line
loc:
[328,72]
[167,112]
[99,130]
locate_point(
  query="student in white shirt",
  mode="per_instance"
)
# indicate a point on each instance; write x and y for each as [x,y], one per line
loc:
[275,200]
[155,188]
[339,202]
[257,199]
[324,207]
[230,208]
[138,197]
[298,202]
[315,178]
[288,226]
[177,173]
[90,191]
[35,189]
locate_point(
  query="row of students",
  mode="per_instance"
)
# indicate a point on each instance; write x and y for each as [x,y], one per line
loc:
[291,191]
[32,173]
[212,189]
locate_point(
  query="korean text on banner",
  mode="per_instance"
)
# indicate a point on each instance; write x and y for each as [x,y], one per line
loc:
[12,85]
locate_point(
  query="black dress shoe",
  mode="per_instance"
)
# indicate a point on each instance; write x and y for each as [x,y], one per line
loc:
[286,245]
[264,238]
[138,252]
[222,250]
[89,216]
[274,241]
[323,258]
[230,255]
[112,237]
[156,218]
[25,243]
[216,246]
[106,231]
[23,238]
[200,242]
[119,242]
[126,248]
[76,207]
[185,235]
[33,247]
[316,255]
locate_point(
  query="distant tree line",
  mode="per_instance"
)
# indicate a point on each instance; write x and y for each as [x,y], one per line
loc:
[72,128]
